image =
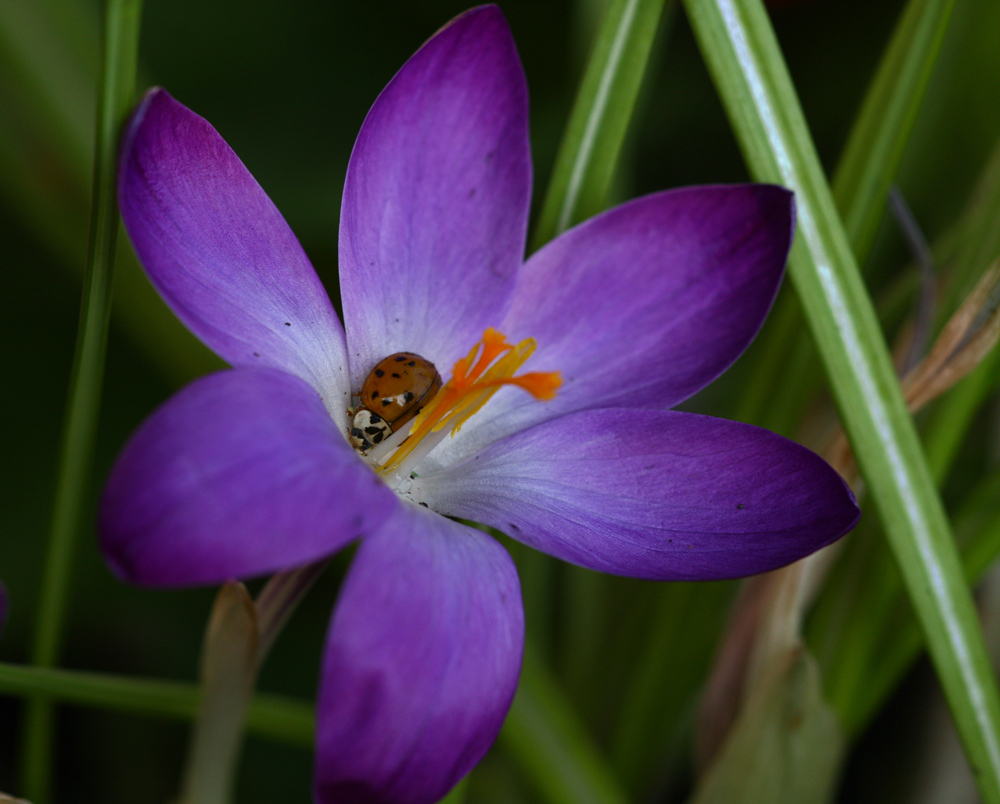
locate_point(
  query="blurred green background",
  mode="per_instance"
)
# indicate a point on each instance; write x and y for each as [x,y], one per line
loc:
[288,86]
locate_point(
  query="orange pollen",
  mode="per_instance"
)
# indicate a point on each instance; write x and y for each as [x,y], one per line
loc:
[488,366]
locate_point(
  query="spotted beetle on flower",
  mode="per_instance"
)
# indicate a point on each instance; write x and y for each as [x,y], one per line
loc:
[396,388]
[541,395]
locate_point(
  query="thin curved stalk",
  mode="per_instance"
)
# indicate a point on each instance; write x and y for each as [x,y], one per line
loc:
[121,38]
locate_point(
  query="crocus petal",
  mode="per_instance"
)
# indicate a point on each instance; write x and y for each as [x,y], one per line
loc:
[421,662]
[218,251]
[436,199]
[240,474]
[645,304]
[652,494]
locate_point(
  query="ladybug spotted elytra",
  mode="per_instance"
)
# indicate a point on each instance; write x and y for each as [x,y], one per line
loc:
[391,396]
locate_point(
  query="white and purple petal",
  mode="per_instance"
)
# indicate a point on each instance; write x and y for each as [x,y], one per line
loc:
[421,662]
[219,252]
[436,199]
[663,495]
[645,304]
[241,473]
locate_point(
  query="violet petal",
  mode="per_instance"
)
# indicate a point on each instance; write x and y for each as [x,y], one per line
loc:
[436,199]
[421,662]
[652,494]
[645,304]
[219,252]
[240,474]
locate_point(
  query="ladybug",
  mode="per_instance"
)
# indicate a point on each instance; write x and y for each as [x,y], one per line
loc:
[392,395]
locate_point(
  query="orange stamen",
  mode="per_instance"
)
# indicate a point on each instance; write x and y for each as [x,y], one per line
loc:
[488,366]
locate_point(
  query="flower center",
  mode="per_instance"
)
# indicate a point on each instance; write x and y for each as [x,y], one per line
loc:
[489,365]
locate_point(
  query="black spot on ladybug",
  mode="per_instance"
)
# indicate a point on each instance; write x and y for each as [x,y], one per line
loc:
[378,438]
[408,396]
[373,430]
[364,444]
[396,376]
[386,402]
[357,432]
[412,363]
[374,394]
[379,373]
[400,358]
[376,418]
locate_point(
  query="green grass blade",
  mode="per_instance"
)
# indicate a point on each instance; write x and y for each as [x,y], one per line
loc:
[878,139]
[868,166]
[116,96]
[552,747]
[868,661]
[589,151]
[277,717]
[739,45]
[661,689]
[855,622]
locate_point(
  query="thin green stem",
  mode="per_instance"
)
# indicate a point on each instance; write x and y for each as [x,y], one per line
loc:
[276,717]
[115,97]
[582,175]
[661,689]
[552,746]
[878,138]
[596,130]
[739,45]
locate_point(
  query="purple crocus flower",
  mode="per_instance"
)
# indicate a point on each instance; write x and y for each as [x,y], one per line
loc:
[266,466]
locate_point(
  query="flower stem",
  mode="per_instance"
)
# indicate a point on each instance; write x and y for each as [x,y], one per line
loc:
[239,635]
[228,674]
[121,37]
[278,599]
